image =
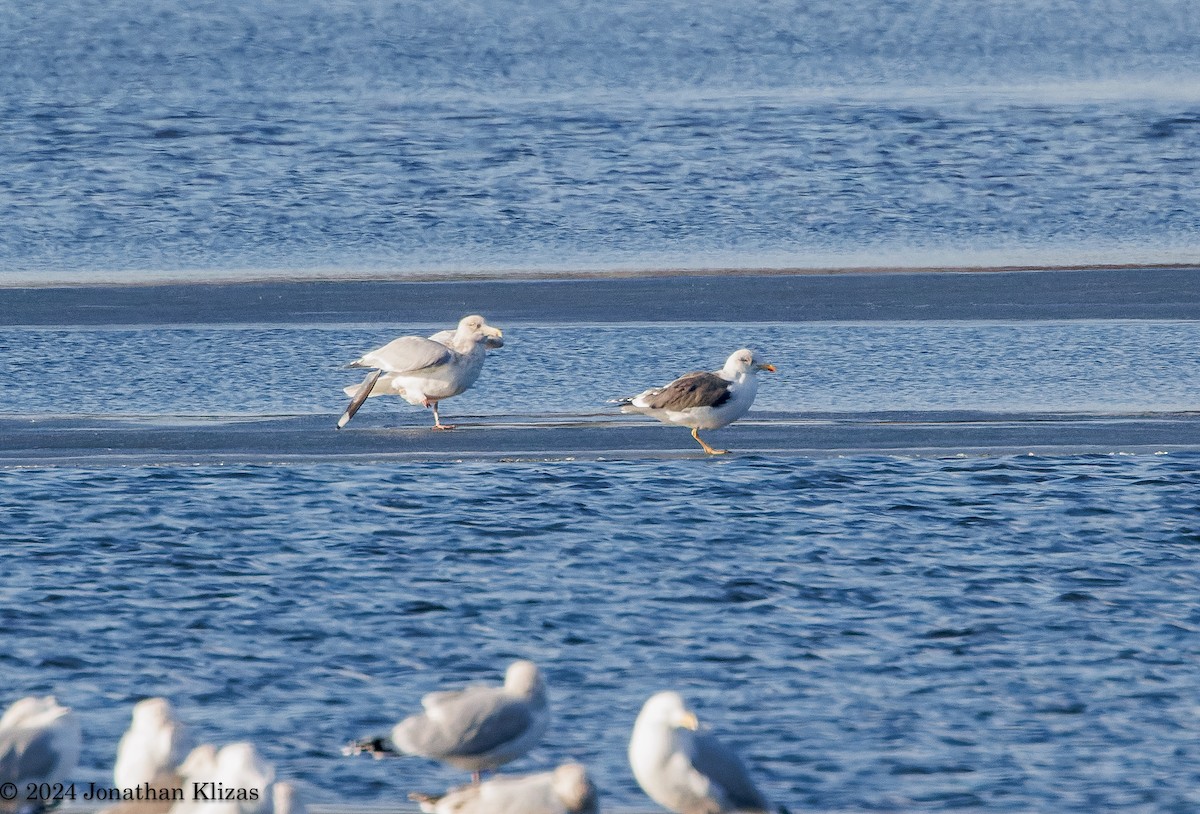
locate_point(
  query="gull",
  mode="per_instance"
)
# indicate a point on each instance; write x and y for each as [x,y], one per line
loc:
[200,761]
[425,371]
[234,780]
[686,769]
[287,799]
[152,748]
[703,400]
[40,742]
[197,768]
[476,728]
[565,790]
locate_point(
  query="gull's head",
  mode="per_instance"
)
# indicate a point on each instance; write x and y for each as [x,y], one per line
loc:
[667,709]
[523,678]
[241,755]
[201,762]
[573,788]
[477,328]
[34,711]
[746,361]
[241,766]
[152,712]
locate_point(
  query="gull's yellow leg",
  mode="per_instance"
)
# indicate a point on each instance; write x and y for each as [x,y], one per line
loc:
[707,448]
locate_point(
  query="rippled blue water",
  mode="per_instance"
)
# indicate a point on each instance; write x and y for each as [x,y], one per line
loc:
[1077,366]
[206,137]
[873,633]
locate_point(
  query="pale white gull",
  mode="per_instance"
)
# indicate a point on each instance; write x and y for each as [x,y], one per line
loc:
[704,400]
[40,742]
[235,781]
[475,728]
[152,748]
[200,763]
[566,790]
[686,769]
[425,371]
[287,799]
[198,767]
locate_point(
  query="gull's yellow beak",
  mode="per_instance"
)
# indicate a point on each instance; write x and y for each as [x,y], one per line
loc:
[688,721]
[496,332]
[767,367]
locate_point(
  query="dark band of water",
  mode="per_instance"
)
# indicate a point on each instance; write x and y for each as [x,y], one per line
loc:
[1138,293]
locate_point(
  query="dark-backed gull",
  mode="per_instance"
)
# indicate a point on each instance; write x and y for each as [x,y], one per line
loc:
[704,400]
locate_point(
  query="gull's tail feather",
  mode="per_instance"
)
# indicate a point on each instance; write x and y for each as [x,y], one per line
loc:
[364,390]
[376,747]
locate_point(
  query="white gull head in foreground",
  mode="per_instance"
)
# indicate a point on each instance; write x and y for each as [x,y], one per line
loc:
[425,371]
[40,742]
[703,400]
[566,790]
[686,769]
[475,728]
[153,746]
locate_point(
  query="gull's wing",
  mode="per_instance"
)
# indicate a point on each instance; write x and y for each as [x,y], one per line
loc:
[724,769]
[29,756]
[406,355]
[700,389]
[475,723]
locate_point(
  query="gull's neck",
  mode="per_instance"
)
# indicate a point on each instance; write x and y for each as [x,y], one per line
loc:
[735,375]
[466,341]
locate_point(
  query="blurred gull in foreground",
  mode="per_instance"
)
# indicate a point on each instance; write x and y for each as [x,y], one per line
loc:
[703,400]
[566,790]
[40,742]
[425,371]
[152,748]
[151,761]
[287,799]
[234,780]
[686,769]
[476,728]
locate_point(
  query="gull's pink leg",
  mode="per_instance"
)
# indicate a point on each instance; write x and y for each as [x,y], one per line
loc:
[437,421]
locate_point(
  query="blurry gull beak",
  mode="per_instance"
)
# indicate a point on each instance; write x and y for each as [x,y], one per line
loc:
[767,367]
[688,721]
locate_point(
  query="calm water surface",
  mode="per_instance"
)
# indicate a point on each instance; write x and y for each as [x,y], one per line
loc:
[1101,366]
[203,138]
